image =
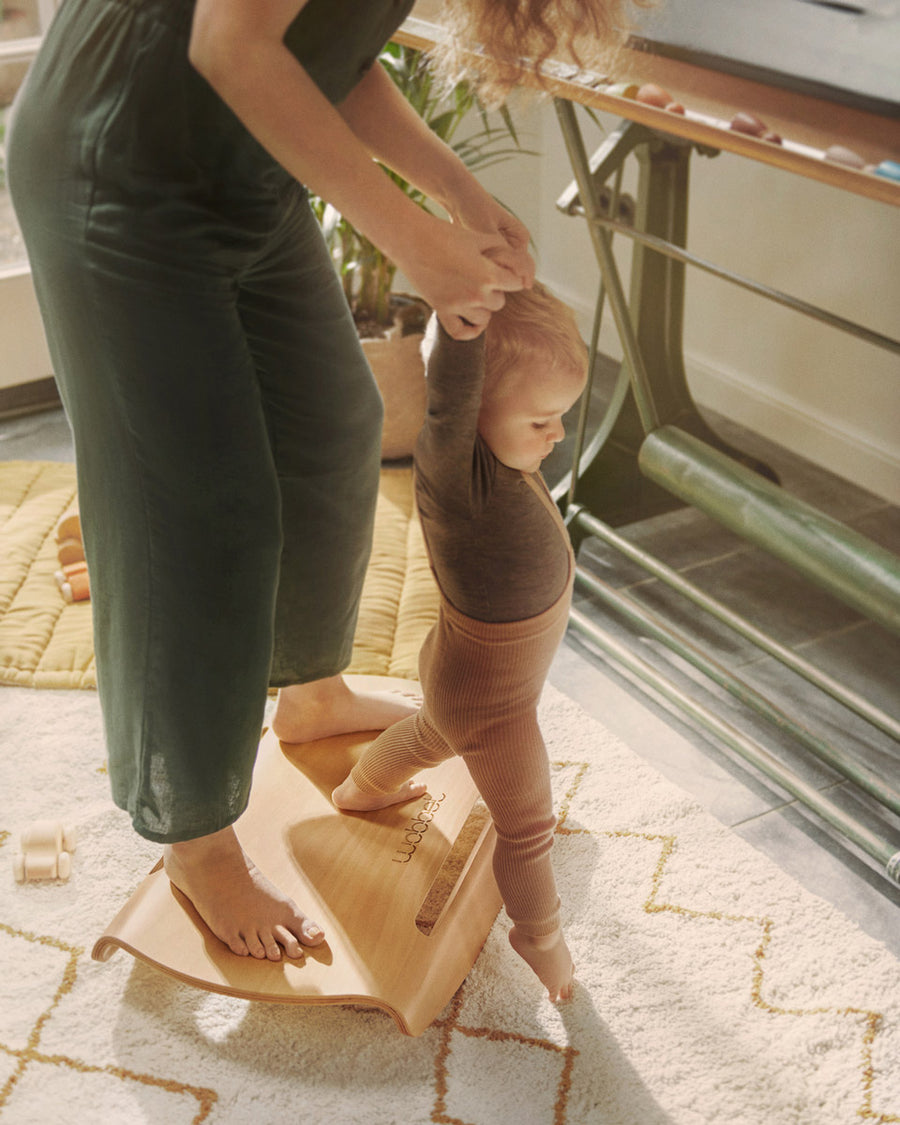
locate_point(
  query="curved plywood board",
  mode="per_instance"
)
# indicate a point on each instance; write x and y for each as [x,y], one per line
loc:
[406,895]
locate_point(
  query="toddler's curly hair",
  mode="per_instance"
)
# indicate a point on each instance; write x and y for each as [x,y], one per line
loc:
[533,322]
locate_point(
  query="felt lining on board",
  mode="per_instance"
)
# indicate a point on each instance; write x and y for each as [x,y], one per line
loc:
[46,642]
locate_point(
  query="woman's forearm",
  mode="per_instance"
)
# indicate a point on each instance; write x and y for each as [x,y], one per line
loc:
[240,51]
[396,135]
[462,271]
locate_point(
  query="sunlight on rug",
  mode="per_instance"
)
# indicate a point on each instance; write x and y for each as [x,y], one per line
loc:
[711,987]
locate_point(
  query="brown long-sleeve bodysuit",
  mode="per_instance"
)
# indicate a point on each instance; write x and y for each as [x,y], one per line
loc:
[503,563]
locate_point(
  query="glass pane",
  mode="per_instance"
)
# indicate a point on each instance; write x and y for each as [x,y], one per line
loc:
[22,22]
[21,19]
[12,249]
[16,24]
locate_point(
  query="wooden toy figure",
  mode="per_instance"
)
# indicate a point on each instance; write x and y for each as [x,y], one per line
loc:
[72,577]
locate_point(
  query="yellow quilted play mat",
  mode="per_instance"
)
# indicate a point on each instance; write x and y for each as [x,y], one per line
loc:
[46,642]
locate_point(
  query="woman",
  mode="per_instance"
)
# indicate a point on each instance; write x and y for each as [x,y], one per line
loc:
[227,428]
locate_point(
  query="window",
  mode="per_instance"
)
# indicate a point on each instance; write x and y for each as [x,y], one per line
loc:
[22,23]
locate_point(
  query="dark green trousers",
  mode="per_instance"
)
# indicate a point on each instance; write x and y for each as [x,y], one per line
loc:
[227,426]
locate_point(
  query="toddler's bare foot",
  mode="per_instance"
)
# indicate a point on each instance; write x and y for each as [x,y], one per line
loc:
[326,707]
[349,797]
[550,958]
[238,903]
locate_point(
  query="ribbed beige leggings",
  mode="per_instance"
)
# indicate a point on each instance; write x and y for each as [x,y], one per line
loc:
[481,683]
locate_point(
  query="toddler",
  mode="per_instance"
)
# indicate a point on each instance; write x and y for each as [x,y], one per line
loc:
[503,563]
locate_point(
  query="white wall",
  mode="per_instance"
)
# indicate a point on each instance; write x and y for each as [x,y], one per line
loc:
[820,392]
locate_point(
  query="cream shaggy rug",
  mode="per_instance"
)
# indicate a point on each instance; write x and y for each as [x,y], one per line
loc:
[711,988]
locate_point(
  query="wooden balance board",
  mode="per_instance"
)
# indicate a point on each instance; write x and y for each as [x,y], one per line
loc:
[406,895]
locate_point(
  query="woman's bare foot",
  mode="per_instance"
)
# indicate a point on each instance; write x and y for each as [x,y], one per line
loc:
[322,708]
[550,958]
[238,903]
[349,797]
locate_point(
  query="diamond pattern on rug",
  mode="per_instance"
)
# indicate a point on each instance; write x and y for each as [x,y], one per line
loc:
[721,1043]
[32,990]
[38,1086]
[866,1023]
[50,1085]
[535,1075]
[710,987]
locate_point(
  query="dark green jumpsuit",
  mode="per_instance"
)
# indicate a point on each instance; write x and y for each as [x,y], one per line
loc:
[227,427]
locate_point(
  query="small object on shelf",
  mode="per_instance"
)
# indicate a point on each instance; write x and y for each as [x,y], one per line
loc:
[565,71]
[622,89]
[45,851]
[591,78]
[890,169]
[839,154]
[748,123]
[651,94]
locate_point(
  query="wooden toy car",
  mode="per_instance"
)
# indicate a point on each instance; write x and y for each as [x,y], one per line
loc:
[46,847]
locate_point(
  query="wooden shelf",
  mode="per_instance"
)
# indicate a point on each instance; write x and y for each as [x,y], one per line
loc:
[808,125]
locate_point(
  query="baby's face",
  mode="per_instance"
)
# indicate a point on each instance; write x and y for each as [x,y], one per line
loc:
[523,425]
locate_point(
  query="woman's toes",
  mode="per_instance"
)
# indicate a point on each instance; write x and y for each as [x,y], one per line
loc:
[288,942]
[312,932]
[255,947]
[238,945]
[273,949]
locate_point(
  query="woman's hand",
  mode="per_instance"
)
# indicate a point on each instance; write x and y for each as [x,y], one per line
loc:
[463,274]
[504,242]
[479,211]
[464,268]
[463,277]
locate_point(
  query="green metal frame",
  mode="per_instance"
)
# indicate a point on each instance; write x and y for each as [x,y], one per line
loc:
[654,451]
[652,388]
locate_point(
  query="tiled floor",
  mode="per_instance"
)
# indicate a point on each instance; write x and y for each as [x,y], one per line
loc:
[859,654]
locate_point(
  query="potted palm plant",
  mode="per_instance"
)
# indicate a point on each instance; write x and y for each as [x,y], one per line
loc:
[391,324]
